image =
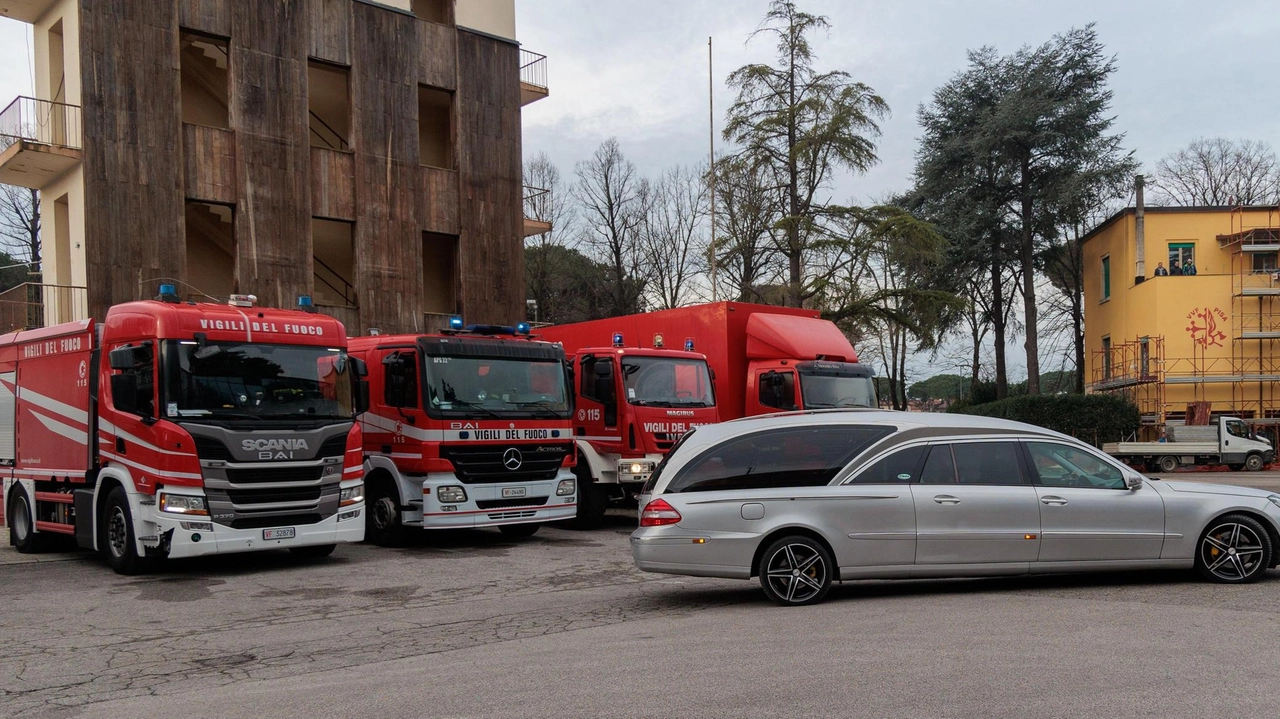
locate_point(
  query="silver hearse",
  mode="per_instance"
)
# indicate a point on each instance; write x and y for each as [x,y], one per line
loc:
[804,499]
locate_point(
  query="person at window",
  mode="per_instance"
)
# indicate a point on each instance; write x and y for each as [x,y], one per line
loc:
[1160,270]
[1175,268]
[1188,267]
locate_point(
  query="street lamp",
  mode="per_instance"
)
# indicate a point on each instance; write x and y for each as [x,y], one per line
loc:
[532,307]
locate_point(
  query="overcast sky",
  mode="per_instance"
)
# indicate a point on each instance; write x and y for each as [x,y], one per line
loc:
[638,70]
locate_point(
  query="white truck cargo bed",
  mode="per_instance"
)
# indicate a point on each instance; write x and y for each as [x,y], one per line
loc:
[1179,449]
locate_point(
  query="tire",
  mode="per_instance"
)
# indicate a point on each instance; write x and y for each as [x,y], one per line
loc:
[593,500]
[1254,463]
[1236,467]
[382,515]
[1234,549]
[318,551]
[22,523]
[795,571]
[519,530]
[117,539]
[1168,464]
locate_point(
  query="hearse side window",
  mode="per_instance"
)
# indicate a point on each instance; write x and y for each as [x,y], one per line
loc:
[662,465]
[1060,465]
[987,462]
[793,457]
[940,468]
[901,467]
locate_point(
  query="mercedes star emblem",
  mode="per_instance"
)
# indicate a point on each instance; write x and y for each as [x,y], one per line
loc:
[511,459]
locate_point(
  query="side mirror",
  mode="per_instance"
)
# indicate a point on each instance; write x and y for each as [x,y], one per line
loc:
[121,358]
[1132,481]
[358,367]
[361,398]
[393,358]
[124,390]
[603,370]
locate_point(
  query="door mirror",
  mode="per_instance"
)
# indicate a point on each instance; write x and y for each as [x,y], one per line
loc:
[361,392]
[603,369]
[123,358]
[1132,481]
[124,390]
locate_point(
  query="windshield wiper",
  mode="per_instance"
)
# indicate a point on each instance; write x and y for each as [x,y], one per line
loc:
[477,405]
[653,403]
[544,405]
[694,403]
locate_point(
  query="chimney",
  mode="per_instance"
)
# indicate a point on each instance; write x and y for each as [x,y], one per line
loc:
[1139,221]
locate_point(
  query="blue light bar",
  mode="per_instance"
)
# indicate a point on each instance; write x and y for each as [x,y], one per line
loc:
[617,339]
[523,328]
[305,301]
[168,289]
[455,322]
[688,344]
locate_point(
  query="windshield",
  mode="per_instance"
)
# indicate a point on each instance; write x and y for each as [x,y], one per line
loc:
[667,382]
[829,391]
[231,380]
[499,387]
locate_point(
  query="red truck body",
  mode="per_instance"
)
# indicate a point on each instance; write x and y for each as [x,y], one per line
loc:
[466,429]
[152,461]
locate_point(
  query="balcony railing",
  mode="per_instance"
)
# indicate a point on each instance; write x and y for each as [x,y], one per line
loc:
[32,305]
[42,121]
[537,205]
[533,77]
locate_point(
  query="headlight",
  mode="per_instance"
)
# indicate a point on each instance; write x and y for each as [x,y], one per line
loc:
[451,495]
[565,488]
[351,495]
[182,504]
[635,468]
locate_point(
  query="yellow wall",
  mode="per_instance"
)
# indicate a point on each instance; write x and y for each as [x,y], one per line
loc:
[1173,307]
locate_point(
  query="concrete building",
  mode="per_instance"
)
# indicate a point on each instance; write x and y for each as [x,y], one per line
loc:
[367,154]
[1171,340]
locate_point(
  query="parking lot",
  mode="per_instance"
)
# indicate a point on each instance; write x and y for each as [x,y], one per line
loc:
[475,624]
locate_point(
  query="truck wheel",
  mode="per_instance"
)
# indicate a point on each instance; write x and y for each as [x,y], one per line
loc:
[117,538]
[22,523]
[1253,463]
[382,519]
[1236,467]
[593,500]
[519,530]
[1168,464]
[319,551]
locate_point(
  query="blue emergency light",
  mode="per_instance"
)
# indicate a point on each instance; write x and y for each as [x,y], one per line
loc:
[617,339]
[523,328]
[455,322]
[305,301]
[168,293]
[688,344]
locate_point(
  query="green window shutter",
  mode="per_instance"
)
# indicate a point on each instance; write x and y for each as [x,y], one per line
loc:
[1106,277]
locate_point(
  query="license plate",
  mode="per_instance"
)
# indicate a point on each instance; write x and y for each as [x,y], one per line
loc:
[509,492]
[281,533]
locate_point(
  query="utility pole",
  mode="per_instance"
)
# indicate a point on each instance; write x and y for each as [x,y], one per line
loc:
[711,117]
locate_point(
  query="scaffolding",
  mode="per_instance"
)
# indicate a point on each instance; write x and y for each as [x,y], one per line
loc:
[1136,370]
[1255,315]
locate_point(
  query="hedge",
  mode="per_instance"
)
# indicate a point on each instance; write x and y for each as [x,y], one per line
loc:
[1094,418]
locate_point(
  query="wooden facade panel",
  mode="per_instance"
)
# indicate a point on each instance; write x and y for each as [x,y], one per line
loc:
[133,149]
[207,16]
[437,55]
[388,244]
[330,23]
[273,151]
[209,159]
[333,184]
[439,196]
[491,238]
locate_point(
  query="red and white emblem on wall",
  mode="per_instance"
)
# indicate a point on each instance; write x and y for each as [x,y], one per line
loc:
[1203,326]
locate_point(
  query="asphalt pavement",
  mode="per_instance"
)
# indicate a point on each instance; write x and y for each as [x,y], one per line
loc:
[472,624]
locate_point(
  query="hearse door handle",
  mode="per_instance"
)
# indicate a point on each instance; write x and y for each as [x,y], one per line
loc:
[946,499]
[1052,499]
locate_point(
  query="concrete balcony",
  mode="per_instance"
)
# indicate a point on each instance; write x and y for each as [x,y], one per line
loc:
[533,76]
[27,11]
[536,202]
[39,140]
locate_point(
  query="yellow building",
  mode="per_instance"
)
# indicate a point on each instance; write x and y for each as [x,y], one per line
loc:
[1170,340]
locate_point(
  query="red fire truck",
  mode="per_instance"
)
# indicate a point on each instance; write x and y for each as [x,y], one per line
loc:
[762,359]
[179,429]
[469,427]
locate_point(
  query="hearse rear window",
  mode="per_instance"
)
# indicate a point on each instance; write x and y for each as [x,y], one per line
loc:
[792,457]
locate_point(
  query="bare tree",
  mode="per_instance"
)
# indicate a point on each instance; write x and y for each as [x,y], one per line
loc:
[547,202]
[674,241]
[1216,172]
[19,230]
[608,194]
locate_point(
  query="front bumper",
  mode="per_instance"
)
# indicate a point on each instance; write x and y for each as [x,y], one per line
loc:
[220,539]
[469,514]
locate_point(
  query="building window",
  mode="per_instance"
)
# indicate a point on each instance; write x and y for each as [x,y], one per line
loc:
[1106,358]
[204,62]
[1106,277]
[435,127]
[439,273]
[333,262]
[440,11]
[1182,256]
[1264,262]
[329,106]
[211,265]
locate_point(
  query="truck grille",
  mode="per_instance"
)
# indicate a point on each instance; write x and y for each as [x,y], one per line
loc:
[242,497]
[208,448]
[517,502]
[271,474]
[478,464]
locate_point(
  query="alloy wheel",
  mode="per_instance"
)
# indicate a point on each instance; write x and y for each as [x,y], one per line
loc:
[796,572]
[1232,552]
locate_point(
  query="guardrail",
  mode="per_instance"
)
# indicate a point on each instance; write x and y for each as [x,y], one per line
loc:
[43,121]
[533,68]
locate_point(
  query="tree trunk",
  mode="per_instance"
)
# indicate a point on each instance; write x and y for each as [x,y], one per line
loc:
[977,359]
[1077,308]
[793,192]
[1029,283]
[998,320]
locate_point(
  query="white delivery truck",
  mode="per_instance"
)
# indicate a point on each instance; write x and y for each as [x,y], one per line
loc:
[1225,440]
